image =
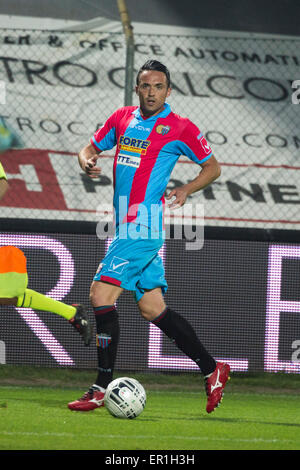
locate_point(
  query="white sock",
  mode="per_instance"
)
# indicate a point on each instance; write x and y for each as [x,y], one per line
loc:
[97,387]
[206,376]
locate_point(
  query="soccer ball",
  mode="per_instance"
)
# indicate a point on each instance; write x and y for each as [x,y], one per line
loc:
[125,398]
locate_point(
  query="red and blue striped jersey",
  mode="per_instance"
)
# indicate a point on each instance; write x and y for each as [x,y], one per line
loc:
[146,153]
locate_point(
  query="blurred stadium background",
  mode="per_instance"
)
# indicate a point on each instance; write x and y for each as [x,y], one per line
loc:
[234,70]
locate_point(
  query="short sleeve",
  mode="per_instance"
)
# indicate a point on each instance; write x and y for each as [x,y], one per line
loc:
[105,137]
[194,145]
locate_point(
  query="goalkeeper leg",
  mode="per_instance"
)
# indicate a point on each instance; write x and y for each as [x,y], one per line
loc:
[14,291]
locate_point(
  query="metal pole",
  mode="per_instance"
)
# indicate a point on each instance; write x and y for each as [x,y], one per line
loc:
[128,31]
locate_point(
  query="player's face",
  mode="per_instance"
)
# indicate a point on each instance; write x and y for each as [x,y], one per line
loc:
[152,91]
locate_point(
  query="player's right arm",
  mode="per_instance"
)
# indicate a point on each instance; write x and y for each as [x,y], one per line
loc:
[103,139]
[87,159]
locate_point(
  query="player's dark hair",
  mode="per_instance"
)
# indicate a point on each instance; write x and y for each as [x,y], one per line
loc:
[154,65]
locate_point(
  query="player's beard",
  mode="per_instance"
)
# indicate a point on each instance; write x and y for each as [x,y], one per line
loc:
[151,110]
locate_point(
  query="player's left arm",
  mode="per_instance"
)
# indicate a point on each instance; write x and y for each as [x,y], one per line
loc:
[210,171]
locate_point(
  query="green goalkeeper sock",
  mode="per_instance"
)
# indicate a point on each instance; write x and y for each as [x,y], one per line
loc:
[37,301]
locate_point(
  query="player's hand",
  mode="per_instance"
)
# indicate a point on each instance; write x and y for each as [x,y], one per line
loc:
[177,197]
[91,168]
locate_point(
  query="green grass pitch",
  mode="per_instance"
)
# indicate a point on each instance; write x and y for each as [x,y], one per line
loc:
[34,417]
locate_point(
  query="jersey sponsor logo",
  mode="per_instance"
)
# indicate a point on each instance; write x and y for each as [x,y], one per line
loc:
[129,160]
[163,130]
[133,145]
[205,145]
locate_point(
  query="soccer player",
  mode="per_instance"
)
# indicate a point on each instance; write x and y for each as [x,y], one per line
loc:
[149,139]
[13,271]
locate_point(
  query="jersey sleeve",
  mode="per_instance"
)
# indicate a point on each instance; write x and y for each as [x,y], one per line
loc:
[194,145]
[2,172]
[105,137]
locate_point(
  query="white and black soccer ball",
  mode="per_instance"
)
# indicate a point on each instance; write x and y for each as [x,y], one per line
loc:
[125,398]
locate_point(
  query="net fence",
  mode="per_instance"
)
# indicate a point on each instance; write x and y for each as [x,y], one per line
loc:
[242,92]
[57,88]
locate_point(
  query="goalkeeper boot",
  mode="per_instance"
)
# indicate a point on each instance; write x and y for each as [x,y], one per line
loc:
[82,324]
[215,384]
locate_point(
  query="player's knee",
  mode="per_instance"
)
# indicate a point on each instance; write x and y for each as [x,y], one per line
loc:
[93,298]
[103,294]
[99,298]
[148,314]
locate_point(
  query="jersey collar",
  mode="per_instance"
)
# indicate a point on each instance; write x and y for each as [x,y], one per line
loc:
[164,113]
